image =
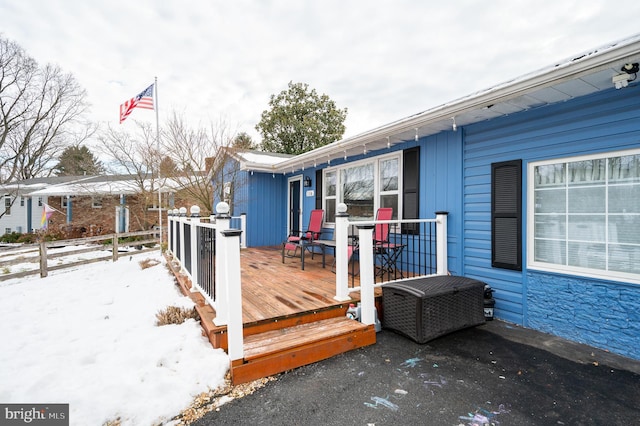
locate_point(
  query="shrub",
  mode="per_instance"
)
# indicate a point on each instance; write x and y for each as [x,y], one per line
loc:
[176,315]
[10,237]
[148,263]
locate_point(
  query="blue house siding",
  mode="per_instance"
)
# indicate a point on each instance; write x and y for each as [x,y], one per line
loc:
[263,199]
[565,305]
[441,188]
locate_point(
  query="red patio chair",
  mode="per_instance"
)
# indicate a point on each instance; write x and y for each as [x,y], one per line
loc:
[380,236]
[304,240]
[381,232]
[386,252]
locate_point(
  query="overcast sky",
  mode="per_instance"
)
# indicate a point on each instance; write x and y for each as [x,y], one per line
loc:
[383,60]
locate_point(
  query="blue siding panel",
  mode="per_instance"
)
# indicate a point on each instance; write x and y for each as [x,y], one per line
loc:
[266,213]
[568,306]
[441,188]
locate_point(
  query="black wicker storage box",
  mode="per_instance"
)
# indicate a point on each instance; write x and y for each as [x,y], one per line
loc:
[425,308]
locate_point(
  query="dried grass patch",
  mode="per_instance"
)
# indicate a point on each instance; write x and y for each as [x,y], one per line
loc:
[213,399]
[176,315]
[148,263]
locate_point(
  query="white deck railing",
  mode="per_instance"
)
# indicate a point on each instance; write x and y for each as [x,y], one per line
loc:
[209,254]
[412,244]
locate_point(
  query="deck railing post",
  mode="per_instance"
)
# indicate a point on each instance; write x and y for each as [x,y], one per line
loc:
[174,232]
[367,297]
[342,258]
[169,231]
[222,285]
[182,221]
[441,243]
[195,220]
[243,228]
[231,245]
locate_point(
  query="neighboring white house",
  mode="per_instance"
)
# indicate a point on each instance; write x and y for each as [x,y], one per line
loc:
[24,200]
[22,211]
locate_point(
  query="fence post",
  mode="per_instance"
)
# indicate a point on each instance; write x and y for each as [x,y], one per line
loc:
[367,298]
[441,243]
[231,245]
[43,259]
[342,258]
[243,228]
[222,286]
[195,219]
[114,245]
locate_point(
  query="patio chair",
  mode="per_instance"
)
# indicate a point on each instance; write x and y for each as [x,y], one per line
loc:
[381,231]
[304,240]
[386,252]
[380,237]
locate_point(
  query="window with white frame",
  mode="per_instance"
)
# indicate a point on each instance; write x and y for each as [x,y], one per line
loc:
[7,205]
[584,215]
[364,186]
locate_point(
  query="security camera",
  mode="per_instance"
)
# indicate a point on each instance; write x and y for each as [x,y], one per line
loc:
[631,68]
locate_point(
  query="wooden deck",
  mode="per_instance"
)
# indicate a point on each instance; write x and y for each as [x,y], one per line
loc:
[290,316]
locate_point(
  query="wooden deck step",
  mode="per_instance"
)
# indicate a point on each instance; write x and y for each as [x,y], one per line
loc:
[277,351]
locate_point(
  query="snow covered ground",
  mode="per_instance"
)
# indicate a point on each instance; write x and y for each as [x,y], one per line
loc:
[87,336]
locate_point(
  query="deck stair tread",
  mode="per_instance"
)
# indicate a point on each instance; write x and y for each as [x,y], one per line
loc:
[275,341]
[277,351]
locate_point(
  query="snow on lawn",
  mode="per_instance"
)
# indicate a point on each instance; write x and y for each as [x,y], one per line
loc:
[88,337]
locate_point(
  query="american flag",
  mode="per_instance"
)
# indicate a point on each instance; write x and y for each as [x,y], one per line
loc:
[142,100]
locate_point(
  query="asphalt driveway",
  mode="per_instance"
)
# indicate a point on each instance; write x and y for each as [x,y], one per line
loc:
[496,373]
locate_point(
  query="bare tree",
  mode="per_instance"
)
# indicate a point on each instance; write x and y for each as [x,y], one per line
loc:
[201,158]
[40,113]
[193,161]
[135,154]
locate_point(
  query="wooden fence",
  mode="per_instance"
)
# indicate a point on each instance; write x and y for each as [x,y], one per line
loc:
[35,259]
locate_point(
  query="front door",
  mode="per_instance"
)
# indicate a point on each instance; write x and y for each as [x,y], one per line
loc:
[295,204]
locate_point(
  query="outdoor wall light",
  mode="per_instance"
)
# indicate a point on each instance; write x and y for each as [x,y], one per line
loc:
[454,126]
[307,182]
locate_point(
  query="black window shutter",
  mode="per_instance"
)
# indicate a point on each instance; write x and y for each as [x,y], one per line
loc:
[318,189]
[506,215]
[411,189]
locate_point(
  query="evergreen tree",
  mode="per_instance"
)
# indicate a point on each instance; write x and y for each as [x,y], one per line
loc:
[78,161]
[300,120]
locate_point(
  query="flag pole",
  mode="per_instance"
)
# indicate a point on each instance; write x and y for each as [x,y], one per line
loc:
[159,160]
